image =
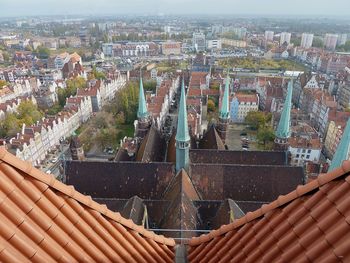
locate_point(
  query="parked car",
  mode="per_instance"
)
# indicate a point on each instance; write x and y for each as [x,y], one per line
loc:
[54,160]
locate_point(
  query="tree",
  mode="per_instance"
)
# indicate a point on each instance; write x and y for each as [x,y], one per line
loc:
[296,41]
[265,134]
[256,119]
[9,126]
[211,105]
[345,47]
[120,118]
[317,42]
[28,113]
[97,74]
[150,86]
[42,52]
[3,83]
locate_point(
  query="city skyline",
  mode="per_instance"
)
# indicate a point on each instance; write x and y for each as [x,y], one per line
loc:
[105,7]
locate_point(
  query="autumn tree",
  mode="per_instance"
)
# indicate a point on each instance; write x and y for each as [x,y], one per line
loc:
[211,105]
[28,113]
[3,83]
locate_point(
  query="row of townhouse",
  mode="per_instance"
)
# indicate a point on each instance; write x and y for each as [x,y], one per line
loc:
[18,88]
[241,104]
[270,91]
[101,92]
[322,60]
[337,123]
[311,95]
[11,106]
[343,87]
[35,142]
[159,104]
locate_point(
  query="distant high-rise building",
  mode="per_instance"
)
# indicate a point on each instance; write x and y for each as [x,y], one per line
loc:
[198,41]
[342,38]
[306,40]
[330,41]
[285,38]
[269,35]
[240,32]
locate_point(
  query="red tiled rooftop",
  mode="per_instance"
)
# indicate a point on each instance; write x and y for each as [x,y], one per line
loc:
[310,224]
[44,220]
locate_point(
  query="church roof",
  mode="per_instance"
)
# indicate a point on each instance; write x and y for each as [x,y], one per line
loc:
[283,130]
[42,219]
[152,148]
[181,213]
[182,133]
[211,140]
[310,224]
[342,152]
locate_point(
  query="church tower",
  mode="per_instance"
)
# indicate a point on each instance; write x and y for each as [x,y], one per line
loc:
[342,152]
[283,129]
[143,116]
[224,114]
[182,135]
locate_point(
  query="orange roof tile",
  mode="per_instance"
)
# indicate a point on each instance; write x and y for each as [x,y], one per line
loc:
[42,219]
[310,224]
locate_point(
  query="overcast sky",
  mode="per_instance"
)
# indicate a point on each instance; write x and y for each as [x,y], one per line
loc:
[98,7]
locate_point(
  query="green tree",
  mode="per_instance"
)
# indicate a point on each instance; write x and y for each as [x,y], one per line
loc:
[9,126]
[28,113]
[150,86]
[296,41]
[345,47]
[256,119]
[317,42]
[265,135]
[42,52]
[97,74]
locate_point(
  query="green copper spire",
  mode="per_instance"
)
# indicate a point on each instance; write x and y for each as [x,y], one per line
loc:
[182,135]
[342,152]
[225,110]
[142,110]
[283,126]
[182,125]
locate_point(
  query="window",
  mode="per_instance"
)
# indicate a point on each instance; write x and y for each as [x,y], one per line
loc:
[299,150]
[297,155]
[308,151]
[304,151]
[307,156]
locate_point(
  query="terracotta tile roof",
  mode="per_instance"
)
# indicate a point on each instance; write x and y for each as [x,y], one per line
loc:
[42,219]
[310,224]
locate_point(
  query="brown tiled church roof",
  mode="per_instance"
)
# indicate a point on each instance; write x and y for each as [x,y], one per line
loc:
[310,224]
[44,220]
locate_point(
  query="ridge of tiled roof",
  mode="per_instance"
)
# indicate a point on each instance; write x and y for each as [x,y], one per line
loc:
[249,230]
[21,181]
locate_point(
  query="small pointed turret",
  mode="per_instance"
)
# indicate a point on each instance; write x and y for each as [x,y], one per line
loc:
[283,129]
[143,116]
[225,109]
[224,114]
[182,134]
[342,152]
[142,110]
